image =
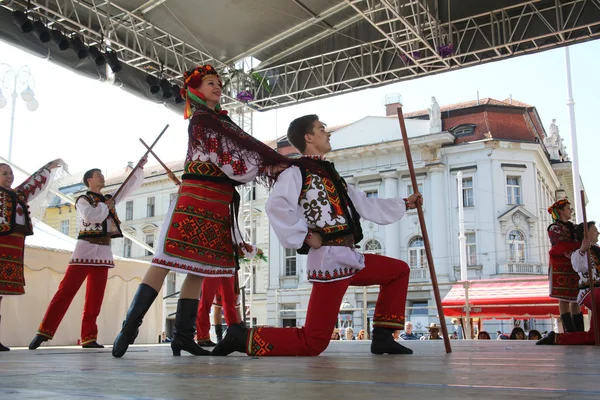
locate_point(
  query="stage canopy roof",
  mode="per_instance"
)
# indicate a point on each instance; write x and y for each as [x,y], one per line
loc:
[288,51]
[503,298]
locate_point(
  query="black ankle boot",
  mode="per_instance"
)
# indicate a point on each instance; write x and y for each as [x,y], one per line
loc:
[567,321]
[3,347]
[234,340]
[92,345]
[144,297]
[37,341]
[383,342]
[549,339]
[578,322]
[185,325]
[219,332]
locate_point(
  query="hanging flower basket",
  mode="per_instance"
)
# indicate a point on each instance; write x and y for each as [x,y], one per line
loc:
[245,95]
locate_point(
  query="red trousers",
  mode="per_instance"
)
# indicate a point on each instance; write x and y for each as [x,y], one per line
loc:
[68,288]
[583,337]
[210,286]
[324,306]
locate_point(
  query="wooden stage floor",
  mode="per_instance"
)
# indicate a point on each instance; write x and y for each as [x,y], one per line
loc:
[347,370]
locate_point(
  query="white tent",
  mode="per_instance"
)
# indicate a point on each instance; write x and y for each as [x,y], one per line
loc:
[47,254]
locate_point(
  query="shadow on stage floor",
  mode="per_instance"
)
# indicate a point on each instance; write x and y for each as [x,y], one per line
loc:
[347,370]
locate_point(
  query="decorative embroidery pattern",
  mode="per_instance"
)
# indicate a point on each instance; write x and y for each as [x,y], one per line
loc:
[257,346]
[388,321]
[45,333]
[315,275]
[7,209]
[193,269]
[89,339]
[564,280]
[12,278]
[91,262]
[203,168]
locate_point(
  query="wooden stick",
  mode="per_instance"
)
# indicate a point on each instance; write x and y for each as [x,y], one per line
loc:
[136,167]
[590,272]
[170,173]
[434,282]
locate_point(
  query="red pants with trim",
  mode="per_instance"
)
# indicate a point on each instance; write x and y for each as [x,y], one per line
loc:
[210,286]
[583,338]
[68,288]
[324,306]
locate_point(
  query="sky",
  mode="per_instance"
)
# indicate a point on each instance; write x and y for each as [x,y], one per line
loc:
[90,124]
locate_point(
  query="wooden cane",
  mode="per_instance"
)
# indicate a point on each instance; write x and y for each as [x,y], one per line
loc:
[590,273]
[136,167]
[434,282]
[170,173]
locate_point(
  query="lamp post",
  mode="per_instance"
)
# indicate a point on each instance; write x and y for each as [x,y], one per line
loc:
[14,82]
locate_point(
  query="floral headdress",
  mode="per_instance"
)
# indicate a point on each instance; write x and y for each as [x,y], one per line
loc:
[553,209]
[193,79]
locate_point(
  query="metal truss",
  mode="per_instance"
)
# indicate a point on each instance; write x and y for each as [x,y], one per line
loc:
[415,43]
[396,40]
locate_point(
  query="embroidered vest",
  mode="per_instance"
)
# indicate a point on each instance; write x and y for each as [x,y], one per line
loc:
[327,207]
[95,230]
[9,201]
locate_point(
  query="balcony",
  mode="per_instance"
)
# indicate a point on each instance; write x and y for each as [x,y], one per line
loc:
[473,272]
[419,274]
[288,282]
[521,268]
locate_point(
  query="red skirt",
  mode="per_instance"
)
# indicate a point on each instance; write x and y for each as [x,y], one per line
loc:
[199,232]
[12,278]
[564,281]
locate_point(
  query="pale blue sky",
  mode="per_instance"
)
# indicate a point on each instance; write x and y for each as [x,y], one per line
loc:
[91,124]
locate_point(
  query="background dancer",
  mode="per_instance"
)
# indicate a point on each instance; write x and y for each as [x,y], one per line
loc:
[223,292]
[318,213]
[15,224]
[98,224]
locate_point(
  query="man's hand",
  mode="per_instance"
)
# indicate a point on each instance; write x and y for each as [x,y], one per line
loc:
[110,203]
[142,161]
[585,245]
[315,240]
[56,163]
[412,200]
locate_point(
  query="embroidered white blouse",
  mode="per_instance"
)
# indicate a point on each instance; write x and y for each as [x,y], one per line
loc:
[327,263]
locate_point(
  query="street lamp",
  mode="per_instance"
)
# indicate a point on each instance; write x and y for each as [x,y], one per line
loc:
[13,82]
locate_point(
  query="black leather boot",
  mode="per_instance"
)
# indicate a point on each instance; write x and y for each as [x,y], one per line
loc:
[549,339]
[235,340]
[92,345]
[219,332]
[185,326]
[3,347]
[37,341]
[578,322]
[383,342]
[144,297]
[567,321]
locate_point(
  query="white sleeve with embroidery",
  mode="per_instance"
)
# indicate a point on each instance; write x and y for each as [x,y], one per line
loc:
[131,186]
[380,211]
[579,261]
[35,184]
[89,214]
[239,170]
[285,215]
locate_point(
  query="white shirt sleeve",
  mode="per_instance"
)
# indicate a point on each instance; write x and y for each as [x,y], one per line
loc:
[284,213]
[579,261]
[380,211]
[131,186]
[87,213]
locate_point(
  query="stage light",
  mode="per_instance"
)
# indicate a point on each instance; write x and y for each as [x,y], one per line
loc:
[152,81]
[96,55]
[113,61]
[79,47]
[20,19]
[177,94]
[61,40]
[167,89]
[42,32]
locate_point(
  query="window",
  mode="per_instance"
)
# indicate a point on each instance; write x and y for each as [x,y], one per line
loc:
[129,211]
[172,197]
[463,130]
[416,253]
[516,240]
[513,190]
[150,207]
[290,262]
[372,193]
[419,307]
[410,190]
[467,195]
[254,321]
[471,248]
[249,191]
[127,248]
[64,227]
[373,247]
[171,283]
[149,242]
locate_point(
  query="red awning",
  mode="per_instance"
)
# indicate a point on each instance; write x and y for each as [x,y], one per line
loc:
[504,298]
